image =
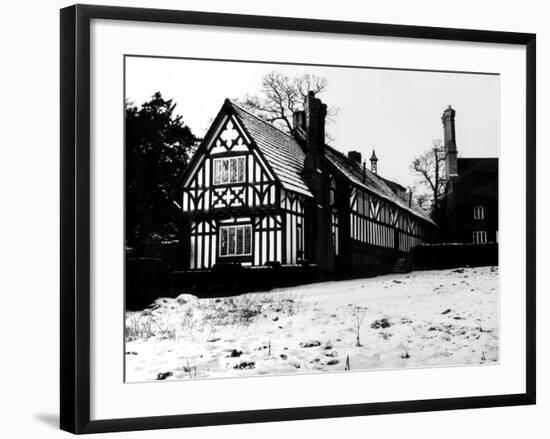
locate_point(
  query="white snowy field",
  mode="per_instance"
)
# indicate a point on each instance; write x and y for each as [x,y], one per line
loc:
[424,318]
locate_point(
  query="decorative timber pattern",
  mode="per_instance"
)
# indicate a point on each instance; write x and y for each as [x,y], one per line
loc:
[203,244]
[230,174]
[374,221]
[247,201]
[232,184]
[293,208]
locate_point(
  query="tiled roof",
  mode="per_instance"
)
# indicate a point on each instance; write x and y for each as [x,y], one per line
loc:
[286,157]
[283,153]
[363,177]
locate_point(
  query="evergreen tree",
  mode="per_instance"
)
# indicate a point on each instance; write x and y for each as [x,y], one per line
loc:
[158,148]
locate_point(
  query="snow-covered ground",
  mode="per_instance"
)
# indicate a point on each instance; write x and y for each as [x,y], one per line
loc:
[425,318]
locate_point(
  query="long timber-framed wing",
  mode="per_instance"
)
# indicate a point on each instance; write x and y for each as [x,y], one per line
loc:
[380,211]
[257,196]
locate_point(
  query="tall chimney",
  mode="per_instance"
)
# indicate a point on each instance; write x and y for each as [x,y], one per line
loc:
[316,113]
[374,162]
[448,120]
[319,247]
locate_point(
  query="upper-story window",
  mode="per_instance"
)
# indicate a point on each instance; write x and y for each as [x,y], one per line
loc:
[229,170]
[362,203]
[479,212]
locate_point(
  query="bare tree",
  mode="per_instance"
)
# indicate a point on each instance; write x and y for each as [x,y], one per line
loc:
[282,95]
[430,166]
[423,200]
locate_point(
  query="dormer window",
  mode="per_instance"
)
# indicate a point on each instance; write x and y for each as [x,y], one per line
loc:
[479,213]
[229,170]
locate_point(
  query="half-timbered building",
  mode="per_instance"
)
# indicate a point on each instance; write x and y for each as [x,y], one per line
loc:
[257,196]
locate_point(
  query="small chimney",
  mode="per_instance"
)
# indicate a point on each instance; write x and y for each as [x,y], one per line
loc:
[354,156]
[299,120]
[451,165]
[374,162]
[410,198]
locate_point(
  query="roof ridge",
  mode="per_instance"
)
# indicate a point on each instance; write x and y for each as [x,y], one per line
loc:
[366,170]
[353,162]
[344,156]
[259,118]
[383,186]
[391,181]
[379,184]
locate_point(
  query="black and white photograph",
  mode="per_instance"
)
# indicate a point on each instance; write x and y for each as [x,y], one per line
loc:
[275,219]
[298,219]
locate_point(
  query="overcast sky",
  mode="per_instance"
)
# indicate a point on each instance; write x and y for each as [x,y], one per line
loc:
[396,112]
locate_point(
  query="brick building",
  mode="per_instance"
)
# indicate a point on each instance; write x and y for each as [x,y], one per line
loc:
[471,202]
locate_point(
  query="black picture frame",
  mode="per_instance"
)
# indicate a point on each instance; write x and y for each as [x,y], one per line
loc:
[75,217]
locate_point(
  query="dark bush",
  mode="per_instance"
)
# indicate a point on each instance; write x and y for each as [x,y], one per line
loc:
[440,256]
[146,280]
[232,278]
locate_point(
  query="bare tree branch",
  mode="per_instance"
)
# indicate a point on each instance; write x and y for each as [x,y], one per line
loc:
[430,166]
[281,96]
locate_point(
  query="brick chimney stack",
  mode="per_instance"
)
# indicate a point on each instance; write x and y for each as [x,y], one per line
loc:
[449,134]
[316,113]
[355,156]
[319,247]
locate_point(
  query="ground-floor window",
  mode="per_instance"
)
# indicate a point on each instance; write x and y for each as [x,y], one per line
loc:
[480,237]
[235,240]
